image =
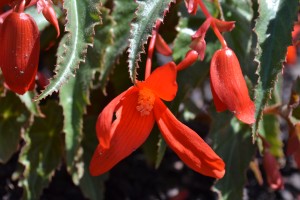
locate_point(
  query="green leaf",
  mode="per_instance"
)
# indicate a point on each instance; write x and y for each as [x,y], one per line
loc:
[148,12]
[92,187]
[273,28]
[270,126]
[74,97]
[82,16]
[13,116]
[232,142]
[43,151]
[122,15]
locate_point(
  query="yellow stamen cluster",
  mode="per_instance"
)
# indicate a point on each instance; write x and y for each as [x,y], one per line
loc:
[145,101]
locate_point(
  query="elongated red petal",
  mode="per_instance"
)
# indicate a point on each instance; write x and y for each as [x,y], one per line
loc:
[104,121]
[224,25]
[162,47]
[229,86]
[19,53]
[220,106]
[127,133]
[162,81]
[187,144]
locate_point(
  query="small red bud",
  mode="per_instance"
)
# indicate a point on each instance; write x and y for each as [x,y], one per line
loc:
[198,39]
[229,87]
[49,13]
[19,53]
[190,57]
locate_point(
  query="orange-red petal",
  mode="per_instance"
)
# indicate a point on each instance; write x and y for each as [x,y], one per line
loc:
[291,55]
[224,25]
[229,86]
[127,133]
[104,121]
[187,144]
[162,82]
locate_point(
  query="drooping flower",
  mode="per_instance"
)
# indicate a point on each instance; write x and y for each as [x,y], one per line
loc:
[273,174]
[19,52]
[293,144]
[136,111]
[229,87]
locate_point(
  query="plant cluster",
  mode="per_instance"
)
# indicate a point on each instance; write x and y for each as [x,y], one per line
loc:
[54,84]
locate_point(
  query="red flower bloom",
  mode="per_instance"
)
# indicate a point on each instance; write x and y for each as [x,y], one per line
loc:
[136,111]
[229,87]
[19,55]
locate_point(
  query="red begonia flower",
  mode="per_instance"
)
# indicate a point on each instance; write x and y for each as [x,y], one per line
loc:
[19,53]
[136,110]
[273,174]
[229,87]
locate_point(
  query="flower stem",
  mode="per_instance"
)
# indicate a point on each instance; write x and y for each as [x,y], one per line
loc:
[213,25]
[151,50]
[150,54]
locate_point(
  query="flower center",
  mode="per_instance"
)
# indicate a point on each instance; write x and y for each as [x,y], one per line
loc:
[145,101]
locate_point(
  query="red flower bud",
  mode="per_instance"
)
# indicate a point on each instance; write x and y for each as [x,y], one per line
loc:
[49,13]
[19,55]
[229,87]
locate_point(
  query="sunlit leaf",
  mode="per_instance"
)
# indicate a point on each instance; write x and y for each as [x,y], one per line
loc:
[82,16]
[122,15]
[74,97]
[273,28]
[148,12]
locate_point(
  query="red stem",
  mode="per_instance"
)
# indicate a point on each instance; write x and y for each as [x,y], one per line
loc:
[213,25]
[150,54]
[151,49]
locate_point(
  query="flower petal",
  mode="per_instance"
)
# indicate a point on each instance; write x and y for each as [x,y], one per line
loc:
[228,83]
[187,144]
[162,81]
[220,106]
[127,133]
[104,122]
